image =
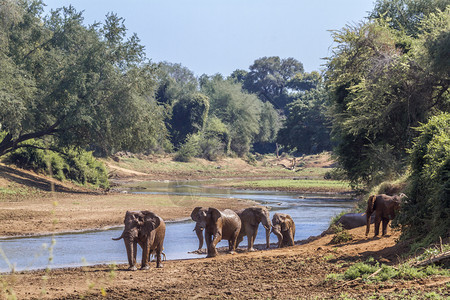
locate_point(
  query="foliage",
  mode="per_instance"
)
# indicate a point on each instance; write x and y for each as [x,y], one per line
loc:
[268,78]
[76,165]
[80,85]
[426,214]
[238,110]
[403,272]
[306,129]
[382,83]
[340,234]
[189,115]
[406,15]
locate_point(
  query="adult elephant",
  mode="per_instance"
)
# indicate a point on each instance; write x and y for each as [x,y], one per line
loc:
[146,229]
[199,213]
[353,220]
[385,208]
[250,219]
[217,225]
[284,228]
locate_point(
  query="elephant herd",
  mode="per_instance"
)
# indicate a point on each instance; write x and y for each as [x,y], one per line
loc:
[148,230]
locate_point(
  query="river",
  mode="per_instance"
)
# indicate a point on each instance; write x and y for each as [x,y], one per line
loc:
[310,212]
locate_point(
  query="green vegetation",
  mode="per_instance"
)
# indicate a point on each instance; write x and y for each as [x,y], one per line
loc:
[427,214]
[340,234]
[78,166]
[286,184]
[374,272]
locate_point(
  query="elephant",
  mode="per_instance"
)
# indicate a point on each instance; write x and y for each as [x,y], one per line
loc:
[385,208]
[284,228]
[217,225]
[250,219]
[146,229]
[353,220]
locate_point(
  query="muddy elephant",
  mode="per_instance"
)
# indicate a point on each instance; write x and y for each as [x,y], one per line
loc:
[217,225]
[353,220]
[284,228]
[385,208]
[250,219]
[146,229]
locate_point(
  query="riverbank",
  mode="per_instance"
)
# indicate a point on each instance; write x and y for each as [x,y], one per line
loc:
[31,204]
[295,272]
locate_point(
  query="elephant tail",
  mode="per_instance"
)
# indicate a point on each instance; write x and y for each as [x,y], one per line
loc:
[369,211]
[370,205]
[120,237]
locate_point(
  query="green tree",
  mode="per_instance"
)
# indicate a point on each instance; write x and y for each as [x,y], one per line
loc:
[72,84]
[189,116]
[268,78]
[382,86]
[306,128]
[406,15]
[238,110]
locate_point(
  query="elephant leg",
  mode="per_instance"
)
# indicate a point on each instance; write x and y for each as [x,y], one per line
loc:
[385,224]
[239,240]
[145,255]
[233,240]
[131,253]
[290,238]
[209,248]
[216,239]
[377,224]
[158,257]
[251,236]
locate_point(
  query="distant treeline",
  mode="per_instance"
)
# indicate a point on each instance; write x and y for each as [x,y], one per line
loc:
[66,85]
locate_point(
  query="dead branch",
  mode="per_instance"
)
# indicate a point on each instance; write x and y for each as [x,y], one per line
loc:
[434,259]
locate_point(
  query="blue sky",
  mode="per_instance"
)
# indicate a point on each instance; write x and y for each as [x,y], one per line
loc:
[220,36]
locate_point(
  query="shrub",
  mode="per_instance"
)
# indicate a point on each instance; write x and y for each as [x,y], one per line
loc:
[78,166]
[426,214]
[341,235]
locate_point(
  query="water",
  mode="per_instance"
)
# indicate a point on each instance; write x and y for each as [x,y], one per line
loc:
[311,214]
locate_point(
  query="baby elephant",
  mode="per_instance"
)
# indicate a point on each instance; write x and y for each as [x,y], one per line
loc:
[146,229]
[284,228]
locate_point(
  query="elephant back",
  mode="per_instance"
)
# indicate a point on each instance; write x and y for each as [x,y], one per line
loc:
[230,223]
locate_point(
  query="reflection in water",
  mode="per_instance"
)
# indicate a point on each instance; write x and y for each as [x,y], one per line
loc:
[311,214]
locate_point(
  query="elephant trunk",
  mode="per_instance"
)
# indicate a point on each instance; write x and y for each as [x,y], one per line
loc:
[267,225]
[268,237]
[199,232]
[277,231]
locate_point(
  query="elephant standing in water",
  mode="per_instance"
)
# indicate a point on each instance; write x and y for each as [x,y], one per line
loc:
[250,219]
[385,208]
[146,229]
[284,228]
[217,225]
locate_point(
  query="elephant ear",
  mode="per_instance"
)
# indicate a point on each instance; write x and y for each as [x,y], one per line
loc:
[285,224]
[151,221]
[194,214]
[214,214]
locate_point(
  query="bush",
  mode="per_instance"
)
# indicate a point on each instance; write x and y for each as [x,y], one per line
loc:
[189,149]
[341,235]
[76,165]
[426,215]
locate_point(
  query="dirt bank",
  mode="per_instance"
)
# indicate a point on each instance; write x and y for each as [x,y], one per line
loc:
[297,272]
